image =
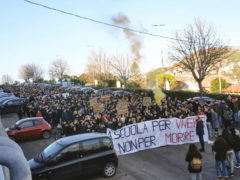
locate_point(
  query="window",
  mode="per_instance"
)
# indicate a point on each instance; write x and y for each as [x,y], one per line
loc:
[37,122]
[69,153]
[17,101]
[106,144]
[26,124]
[90,147]
[9,102]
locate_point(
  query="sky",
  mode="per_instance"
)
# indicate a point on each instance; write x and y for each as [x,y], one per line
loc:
[31,34]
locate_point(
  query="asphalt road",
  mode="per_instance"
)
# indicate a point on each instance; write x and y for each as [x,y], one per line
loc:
[164,163]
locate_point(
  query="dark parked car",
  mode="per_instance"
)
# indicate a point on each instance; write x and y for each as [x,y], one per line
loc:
[87,90]
[103,91]
[3,99]
[76,155]
[11,105]
[122,92]
[202,100]
[29,128]
[2,94]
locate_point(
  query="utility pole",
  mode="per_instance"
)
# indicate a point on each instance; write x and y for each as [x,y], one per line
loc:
[219,80]
[164,78]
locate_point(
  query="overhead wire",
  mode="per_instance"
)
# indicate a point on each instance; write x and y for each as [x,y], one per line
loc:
[107,24]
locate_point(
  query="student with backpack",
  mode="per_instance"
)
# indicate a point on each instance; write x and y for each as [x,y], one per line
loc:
[193,158]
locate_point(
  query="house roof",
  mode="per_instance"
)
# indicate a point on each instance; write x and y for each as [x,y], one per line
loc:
[235,88]
[207,81]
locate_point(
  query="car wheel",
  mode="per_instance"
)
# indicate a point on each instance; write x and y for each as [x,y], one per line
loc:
[46,134]
[109,169]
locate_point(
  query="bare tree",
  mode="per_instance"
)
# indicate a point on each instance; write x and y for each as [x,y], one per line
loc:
[31,71]
[123,67]
[58,68]
[6,79]
[99,64]
[37,72]
[198,50]
[26,73]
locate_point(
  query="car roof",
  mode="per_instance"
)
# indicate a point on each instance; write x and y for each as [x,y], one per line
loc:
[6,100]
[87,88]
[7,97]
[11,99]
[80,137]
[198,98]
[29,119]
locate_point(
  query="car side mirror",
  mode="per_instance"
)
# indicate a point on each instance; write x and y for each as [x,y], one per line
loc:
[18,128]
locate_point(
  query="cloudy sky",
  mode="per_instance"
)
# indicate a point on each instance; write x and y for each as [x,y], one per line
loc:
[31,34]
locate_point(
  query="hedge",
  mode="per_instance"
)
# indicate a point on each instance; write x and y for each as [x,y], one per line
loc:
[182,95]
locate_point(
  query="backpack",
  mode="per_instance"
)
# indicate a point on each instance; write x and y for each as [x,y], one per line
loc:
[196,163]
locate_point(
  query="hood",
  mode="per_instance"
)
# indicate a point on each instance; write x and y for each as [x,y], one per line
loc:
[234,100]
[34,164]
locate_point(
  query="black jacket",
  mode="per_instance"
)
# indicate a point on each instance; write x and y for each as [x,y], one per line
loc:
[236,146]
[220,147]
[200,128]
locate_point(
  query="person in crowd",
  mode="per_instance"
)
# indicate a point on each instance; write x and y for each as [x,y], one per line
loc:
[217,109]
[220,148]
[236,146]
[57,132]
[235,109]
[200,132]
[222,106]
[230,153]
[195,169]
[208,114]
[227,116]
[20,113]
[215,122]
[229,101]
[101,128]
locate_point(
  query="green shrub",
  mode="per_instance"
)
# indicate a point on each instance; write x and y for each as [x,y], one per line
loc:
[168,77]
[111,83]
[215,85]
[182,95]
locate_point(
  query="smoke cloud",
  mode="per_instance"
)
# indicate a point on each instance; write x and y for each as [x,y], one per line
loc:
[133,38]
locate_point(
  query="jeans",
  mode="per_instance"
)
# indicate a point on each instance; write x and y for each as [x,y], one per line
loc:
[209,128]
[201,140]
[230,156]
[218,166]
[237,156]
[220,120]
[196,176]
[236,117]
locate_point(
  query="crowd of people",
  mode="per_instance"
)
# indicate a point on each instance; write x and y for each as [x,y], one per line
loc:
[70,112]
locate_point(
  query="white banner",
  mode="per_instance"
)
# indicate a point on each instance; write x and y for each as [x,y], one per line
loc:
[156,133]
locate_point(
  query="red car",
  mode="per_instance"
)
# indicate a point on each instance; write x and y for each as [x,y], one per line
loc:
[28,128]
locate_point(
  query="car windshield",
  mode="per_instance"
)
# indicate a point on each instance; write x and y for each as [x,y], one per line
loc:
[50,151]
